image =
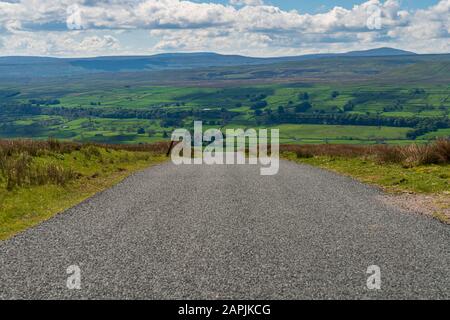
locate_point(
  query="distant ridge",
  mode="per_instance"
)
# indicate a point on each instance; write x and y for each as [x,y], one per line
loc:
[204,58]
[380,52]
[36,67]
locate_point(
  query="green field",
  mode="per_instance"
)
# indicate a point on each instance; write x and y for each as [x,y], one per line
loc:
[425,100]
[126,131]
[116,113]
[308,133]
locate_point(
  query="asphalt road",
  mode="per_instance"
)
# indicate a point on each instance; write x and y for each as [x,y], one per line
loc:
[220,232]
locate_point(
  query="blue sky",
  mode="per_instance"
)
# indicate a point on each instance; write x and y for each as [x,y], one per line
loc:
[246,27]
[311,6]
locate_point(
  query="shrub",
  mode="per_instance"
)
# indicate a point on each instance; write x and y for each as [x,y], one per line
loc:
[410,156]
[51,174]
[18,165]
[17,170]
[442,150]
[91,151]
[388,154]
[20,170]
[304,154]
[333,150]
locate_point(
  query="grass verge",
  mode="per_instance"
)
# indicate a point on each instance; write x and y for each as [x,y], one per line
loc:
[55,178]
[413,186]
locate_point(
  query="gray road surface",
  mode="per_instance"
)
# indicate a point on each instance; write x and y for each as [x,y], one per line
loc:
[221,232]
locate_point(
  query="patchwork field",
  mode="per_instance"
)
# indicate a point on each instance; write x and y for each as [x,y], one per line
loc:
[68,117]
[406,101]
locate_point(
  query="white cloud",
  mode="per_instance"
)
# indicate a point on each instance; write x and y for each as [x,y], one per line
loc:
[96,43]
[247,2]
[66,27]
[58,44]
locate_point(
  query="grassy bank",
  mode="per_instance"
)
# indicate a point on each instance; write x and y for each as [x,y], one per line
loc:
[420,170]
[41,179]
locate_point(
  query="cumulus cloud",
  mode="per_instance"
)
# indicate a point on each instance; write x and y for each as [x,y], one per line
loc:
[57,44]
[241,26]
[247,2]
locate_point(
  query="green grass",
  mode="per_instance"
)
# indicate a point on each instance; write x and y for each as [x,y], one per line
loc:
[434,102]
[437,134]
[102,130]
[296,133]
[28,205]
[311,133]
[142,97]
[427,179]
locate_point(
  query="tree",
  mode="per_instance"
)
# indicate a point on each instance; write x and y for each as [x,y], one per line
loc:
[258,112]
[280,109]
[303,96]
[349,106]
[303,107]
[140,131]
[259,105]
[335,94]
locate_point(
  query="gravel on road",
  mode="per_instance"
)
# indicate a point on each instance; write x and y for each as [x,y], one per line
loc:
[226,232]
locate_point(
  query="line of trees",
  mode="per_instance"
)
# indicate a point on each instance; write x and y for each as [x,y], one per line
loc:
[357,119]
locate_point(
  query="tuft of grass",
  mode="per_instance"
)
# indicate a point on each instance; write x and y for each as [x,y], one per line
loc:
[408,156]
[20,170]
[441,217]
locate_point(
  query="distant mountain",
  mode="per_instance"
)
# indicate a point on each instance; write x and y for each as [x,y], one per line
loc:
[379,52]
[207,59]
[163,61]
[32,67]
[26,60]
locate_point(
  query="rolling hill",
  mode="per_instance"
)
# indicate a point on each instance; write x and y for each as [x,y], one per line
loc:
[37,67]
